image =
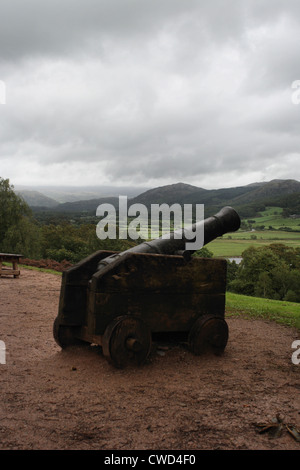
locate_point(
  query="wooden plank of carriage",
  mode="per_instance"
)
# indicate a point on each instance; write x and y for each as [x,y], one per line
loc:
[12,258]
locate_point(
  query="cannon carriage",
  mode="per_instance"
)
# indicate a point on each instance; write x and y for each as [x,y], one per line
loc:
[121,301]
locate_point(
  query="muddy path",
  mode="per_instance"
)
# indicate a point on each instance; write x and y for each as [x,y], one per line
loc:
[74,399]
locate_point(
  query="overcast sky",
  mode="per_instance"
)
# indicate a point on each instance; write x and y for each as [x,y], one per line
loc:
[149,92]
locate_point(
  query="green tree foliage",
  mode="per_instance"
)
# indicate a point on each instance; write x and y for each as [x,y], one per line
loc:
[61,240]
[23,237]
[18,230]
[232,269]
[72,243]
[271,272]
[12,207]
[204,252]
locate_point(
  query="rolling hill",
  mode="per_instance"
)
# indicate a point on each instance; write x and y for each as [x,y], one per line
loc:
[270,190]
[89,206]
[170,194]
[248,200]
[37,199]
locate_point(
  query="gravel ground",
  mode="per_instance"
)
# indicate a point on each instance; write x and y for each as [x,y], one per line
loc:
[74,399]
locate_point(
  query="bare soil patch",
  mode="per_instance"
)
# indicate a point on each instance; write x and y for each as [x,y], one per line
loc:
[74,399]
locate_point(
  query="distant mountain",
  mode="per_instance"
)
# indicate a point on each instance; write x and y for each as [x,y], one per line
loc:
[272,189]
[170,194]
[63,194]
[36,199]
[216,197]
[86,206]
[245,199]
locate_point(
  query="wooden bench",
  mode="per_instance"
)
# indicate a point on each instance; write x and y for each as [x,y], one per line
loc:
[10,258]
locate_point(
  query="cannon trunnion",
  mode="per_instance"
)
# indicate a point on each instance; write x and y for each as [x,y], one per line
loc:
[127,303]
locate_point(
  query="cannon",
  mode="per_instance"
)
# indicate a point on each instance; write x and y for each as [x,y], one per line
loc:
[123,301]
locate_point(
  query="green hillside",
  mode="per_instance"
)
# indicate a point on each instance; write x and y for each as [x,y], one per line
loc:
[285,313]
[269,227]
[273,217]
[248,200]
[37,199]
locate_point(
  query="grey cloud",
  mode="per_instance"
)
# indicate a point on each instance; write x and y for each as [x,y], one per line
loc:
[66,26]
[60,27]
[149,90]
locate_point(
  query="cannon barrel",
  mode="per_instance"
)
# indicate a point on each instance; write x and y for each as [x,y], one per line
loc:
[226,220]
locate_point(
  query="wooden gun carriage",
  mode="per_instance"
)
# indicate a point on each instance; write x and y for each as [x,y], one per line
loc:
[119,301]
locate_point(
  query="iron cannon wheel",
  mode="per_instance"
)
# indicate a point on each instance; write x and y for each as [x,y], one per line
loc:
[65,335]
[126,340]
[208,333]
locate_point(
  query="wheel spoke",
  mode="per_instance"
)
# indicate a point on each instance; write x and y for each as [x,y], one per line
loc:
[127,340]
[208,333]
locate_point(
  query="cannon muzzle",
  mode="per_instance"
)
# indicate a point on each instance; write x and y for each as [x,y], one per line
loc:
[226,220]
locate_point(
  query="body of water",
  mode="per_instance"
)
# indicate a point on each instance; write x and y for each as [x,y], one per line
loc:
[237,259]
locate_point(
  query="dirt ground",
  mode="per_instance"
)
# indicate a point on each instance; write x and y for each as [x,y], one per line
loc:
[74,399]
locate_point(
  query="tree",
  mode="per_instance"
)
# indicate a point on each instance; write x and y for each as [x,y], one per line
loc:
[290,255]
[204,252]
[12,207]
[18,231]
[257,260]
[263,288]
[23,237]
[271,272]
[293,294]
[232,270]
[71,243]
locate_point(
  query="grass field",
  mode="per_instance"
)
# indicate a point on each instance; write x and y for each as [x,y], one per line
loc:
[285,313]
[234,246]
[272,217]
